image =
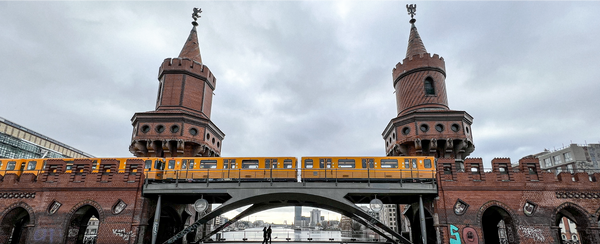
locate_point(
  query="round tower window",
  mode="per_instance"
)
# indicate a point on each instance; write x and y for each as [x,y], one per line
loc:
[207,136]
[218,145]
[439,127]
[160,128]
[174,129]
[424,127]
[145,128]
[213,140]
[467,129]
[405,131]
[394,136]
[455,128]
[193,131]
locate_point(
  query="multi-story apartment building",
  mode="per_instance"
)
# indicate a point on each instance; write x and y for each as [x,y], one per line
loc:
[571,158]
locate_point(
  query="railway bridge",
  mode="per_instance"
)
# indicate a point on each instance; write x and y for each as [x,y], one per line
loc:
[340,197]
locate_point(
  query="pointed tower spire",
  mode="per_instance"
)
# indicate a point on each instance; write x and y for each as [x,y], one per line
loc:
[425,125]
[415,44]
[180,125]
[191,49]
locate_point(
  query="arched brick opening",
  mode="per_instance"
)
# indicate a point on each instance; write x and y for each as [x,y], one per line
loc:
[170,224]
[17,222]
[498,224]
[582,219]
[77,223]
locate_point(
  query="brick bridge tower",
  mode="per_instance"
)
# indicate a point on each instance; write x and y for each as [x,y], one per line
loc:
[425,125]
[180,126]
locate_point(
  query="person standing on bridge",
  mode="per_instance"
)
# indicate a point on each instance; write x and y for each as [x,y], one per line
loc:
[265,238]
[269,234]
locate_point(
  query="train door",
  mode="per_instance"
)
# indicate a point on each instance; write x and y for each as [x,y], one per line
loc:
[367,168]
[170,170]
[155,171]
[234,169]
[410,168]
[328,169]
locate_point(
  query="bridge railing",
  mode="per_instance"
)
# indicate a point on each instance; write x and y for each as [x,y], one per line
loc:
[291,175]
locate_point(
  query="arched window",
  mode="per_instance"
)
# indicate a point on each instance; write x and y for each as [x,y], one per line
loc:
[429,87]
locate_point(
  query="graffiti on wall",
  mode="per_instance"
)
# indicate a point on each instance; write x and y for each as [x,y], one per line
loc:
[532,233]
[454,235]
[470,235]
[122,233]
[45,235]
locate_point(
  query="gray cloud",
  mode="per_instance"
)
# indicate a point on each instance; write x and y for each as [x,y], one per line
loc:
[303,78]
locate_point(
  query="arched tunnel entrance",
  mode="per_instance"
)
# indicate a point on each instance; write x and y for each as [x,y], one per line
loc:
[574,225]
[498,226]
[78,230]
[14,225]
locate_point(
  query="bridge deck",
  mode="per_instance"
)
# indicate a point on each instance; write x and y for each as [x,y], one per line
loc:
[220,192]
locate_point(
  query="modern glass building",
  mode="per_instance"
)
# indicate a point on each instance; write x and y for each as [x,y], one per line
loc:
[17,141]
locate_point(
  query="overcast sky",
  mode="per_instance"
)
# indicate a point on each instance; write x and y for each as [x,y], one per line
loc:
[304,78]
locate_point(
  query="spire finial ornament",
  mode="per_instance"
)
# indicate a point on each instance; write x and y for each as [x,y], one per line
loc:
[411,8]
[196,15]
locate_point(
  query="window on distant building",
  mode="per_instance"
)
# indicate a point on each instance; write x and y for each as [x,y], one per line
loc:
[557,159]
[570,168]
[568,157]
[547,162]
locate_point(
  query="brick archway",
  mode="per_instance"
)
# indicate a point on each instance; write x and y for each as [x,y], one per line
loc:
[14,213]
[497,211]
[583,219]
[78,217]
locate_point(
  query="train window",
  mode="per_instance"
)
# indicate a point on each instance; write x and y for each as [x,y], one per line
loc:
[43,165]
[346,163]
[31,165]
[171,164]
[364,163]
[328,163]
[147,164]
[0,164]
[414,163]
[406,163]
[208,164]
[11,165]
[371,163]
[389,163]
[226,164]
[184,164]
[157,164]
[232,164]
[308,163]
[191,163]
[428,163]
[94,164]
[249,164]
[321,163]
[287,163]
[267,163]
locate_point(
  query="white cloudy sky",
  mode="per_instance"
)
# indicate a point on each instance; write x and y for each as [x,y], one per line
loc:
[304,78]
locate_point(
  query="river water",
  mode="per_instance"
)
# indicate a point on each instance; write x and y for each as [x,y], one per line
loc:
[280,234]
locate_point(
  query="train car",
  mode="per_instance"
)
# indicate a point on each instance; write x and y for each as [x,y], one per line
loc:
[20,166]
[154,168]
[391,169]
[230,168]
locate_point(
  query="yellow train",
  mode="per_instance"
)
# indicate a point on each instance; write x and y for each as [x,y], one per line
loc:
[224,169]
[368,169]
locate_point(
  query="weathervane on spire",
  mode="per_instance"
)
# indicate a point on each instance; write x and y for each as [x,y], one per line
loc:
[411,8]
[196,15]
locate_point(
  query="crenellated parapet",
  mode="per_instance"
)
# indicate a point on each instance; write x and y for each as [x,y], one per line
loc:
[419,62]
[189,67]
[504,175]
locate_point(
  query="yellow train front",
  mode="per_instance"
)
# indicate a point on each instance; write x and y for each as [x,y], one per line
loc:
[226,169]
[373,169]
